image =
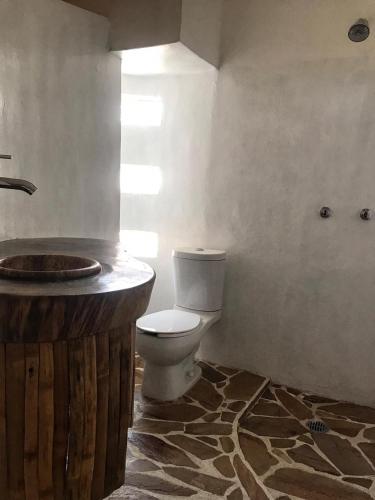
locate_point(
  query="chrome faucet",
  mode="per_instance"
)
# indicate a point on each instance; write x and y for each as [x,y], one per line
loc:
[19,184]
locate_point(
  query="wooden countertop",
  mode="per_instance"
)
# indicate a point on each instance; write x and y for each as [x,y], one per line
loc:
[119,270]
[57,311]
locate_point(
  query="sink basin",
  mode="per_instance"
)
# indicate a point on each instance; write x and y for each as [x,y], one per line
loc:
[48,267]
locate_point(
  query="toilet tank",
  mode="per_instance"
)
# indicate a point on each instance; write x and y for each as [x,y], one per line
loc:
[199,278]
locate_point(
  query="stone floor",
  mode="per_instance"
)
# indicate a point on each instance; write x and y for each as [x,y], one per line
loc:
[236,436]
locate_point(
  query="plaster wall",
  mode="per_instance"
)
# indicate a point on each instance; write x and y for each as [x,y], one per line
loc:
[144,23]
[147,23]
[60,119]
[102,7]
[201,27]
[294,130]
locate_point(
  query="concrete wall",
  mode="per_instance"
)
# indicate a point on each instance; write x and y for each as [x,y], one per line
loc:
[201,27]
[60,119]
[102,7]
[144,23]
[294,130]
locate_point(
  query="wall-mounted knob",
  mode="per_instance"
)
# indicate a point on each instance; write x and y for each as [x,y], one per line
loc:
[325,212]
[360,31]
[366,214]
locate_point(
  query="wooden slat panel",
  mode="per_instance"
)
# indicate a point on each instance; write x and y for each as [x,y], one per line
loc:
[126,397]
[132,373]
[3,434]
[77,403]
[89,437]
[46,420]
[111,480]
[102,362]
[61,409]
[31,421]
[15,414]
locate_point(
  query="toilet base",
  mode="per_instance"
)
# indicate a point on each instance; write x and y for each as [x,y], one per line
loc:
[167,383]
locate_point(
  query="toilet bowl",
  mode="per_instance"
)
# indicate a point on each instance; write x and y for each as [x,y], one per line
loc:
[168,340]
[169,354]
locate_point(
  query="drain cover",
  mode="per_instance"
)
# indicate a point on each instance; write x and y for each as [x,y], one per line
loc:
[317,426]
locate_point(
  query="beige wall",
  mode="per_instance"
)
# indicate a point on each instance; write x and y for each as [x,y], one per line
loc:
[144,23]
[294,130]
[60,119]
[102,7]
[147,23]
[201,26]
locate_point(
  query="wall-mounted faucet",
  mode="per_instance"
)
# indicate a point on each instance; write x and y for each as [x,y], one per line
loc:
[18,184]
[325,212]
[366,214]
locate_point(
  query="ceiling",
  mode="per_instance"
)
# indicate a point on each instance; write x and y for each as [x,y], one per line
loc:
[102,7]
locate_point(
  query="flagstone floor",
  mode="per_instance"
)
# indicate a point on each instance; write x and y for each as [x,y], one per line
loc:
[236,436]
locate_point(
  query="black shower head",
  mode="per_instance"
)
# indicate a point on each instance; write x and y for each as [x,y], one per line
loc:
[359,31]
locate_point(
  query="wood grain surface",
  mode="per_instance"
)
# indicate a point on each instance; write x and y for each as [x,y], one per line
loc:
[66,375]
[47,312]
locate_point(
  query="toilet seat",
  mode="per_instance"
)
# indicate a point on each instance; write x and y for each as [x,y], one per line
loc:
[169,323]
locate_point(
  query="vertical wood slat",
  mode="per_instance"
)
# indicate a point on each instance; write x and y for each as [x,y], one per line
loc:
[132,374]
[65,398]
[46,420]
[89,436]
[61,411]
[126,396]
[31,421]
[102,362]
[76,417]
[111,481]
[15,415]
[3,433]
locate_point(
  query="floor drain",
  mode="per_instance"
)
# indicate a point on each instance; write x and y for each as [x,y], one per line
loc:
[317,426]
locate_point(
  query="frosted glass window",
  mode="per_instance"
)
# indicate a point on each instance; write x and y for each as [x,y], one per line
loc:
[141,110]
[140,179]
[140,243]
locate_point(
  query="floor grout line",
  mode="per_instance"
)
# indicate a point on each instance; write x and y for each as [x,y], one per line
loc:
[214,479]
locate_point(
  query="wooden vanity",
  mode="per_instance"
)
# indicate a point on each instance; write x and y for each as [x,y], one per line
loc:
[66,370]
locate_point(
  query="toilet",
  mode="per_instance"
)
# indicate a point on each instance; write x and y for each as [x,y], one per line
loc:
[168,340]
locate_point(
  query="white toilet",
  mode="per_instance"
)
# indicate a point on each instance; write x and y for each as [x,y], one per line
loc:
[168,340]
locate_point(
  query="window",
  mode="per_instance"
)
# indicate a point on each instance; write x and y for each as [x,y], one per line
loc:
[140,179]
[140,243]
[141,110]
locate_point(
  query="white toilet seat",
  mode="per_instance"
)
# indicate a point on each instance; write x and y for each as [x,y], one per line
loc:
[169,323]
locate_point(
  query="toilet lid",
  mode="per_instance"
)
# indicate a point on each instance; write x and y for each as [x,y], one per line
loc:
[170,321]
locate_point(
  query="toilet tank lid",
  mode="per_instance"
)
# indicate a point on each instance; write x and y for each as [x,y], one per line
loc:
[199,254]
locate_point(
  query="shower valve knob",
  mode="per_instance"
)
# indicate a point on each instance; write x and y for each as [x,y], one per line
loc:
[366,214]
[325,212]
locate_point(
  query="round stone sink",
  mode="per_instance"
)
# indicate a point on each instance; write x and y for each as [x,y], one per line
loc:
[48,267]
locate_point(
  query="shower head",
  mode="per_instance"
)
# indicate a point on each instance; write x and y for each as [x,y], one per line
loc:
[360,31]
